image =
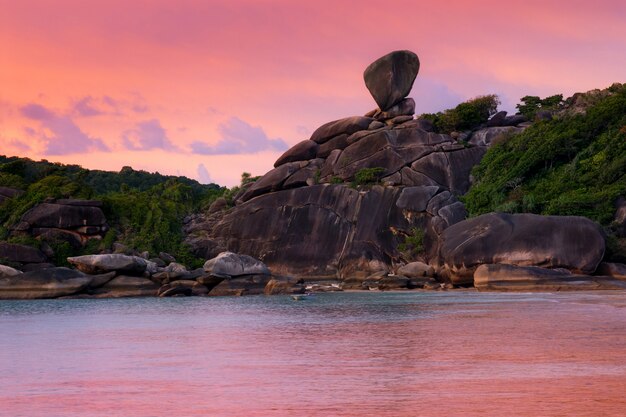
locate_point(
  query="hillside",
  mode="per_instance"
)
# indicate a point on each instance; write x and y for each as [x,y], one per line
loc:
[571,164]
[144,211]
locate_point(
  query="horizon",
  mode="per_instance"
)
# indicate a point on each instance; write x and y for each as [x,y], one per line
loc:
[209,90]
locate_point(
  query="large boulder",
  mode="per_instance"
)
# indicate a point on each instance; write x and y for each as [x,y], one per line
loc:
[228,264]
[302,151]
[96,264]
[8,192]
[23,254]
[570,242]
[348,125]
[242,285]
[7,271]
[610,269]
[46,283]
[127,286]
[63,216]
[390,78]
[501,277]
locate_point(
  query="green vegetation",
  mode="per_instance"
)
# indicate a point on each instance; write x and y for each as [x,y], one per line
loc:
[573,165]
[530,105]
[413,243]
[466,116]
[145,211]
[368,176]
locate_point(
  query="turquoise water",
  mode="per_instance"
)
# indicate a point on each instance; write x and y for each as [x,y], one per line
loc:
[339,354]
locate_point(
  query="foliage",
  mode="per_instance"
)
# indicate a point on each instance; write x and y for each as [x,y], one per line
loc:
[367,176]
[466,116]
[413,243]
[575,165]
[145,211]
[530,105]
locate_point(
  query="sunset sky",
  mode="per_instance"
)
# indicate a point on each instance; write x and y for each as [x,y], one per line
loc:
[209,89]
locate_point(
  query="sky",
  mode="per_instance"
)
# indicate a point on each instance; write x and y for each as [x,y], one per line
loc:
[209,89]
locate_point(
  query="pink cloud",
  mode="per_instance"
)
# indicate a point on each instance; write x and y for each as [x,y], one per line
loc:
[147,135]
[239,137]
[59,133]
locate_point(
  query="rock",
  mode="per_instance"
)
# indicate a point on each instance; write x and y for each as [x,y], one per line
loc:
[489,135]
[7,271]
[120,248]
[614,270]
[570,242]
[241,285]
[127,286]
[497,119]
[416,198]
[16,253]
[349,125]
[514,120]
[176,268]
[619,220]
[80,203]
[182,287]
[416,270]
[166,257]
[390,78]
[209,281]
[158,262]
[36,266]
[96,264]
[302,151]
[338,142]
[59,235]
[283,285]
[98,281]
[501,277]
[424,124]
[48,283]
[375,125]
[399,120]
[62,216]
[218,205]
[9,192]
[228,264]
[272,181]
[405,107]
[152,267]
[388,283]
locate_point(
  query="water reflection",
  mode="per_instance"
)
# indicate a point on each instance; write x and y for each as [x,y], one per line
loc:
[383,354]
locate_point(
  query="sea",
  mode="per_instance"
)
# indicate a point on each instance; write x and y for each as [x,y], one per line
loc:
[454,353]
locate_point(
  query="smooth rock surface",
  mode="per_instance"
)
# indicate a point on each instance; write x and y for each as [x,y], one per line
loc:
[501,277]
[302,151]
[229,264]
[390,78]
[48,283]
[348,125]
[615,270]
[570,242]
[96,264]
[416,270]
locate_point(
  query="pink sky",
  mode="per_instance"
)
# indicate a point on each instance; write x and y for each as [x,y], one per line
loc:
[209,89]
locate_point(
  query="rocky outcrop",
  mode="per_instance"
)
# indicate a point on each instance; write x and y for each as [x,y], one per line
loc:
[70,220]
[500,277]
[7,271]
[574,243]
[611,269]
[416,270]
[96,264]
[48,283]
[7,193]
[126,286]
[345,202]
[20,255]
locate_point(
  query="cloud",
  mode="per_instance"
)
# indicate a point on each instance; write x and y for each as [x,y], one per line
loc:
[239,137]
[59,133]
[147,135]
[203,175]
[86,107]
[20,146]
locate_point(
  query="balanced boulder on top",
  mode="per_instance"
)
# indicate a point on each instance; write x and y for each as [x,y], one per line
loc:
[390,78]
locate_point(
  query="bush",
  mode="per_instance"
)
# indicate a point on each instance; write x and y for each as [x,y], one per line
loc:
[367,176]
[466,116]
[413,243]
[532,104]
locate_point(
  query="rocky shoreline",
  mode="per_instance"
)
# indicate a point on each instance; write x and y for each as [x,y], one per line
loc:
[368,202]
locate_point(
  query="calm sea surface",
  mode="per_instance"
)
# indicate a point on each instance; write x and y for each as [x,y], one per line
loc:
[342,354]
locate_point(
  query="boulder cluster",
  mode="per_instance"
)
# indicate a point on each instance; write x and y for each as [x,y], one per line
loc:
[119,275]
[315,217]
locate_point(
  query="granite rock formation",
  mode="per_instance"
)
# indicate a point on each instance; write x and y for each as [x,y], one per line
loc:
[570,242]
